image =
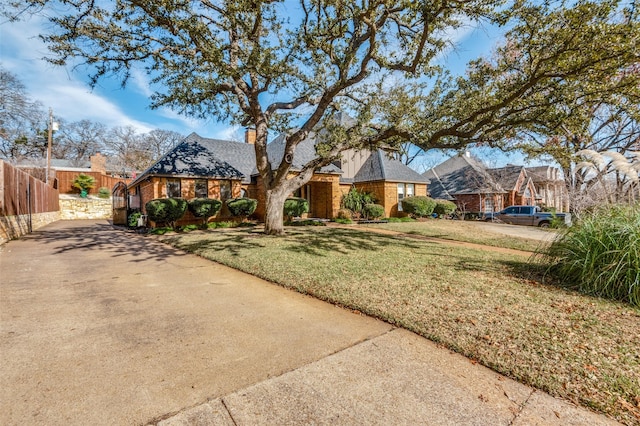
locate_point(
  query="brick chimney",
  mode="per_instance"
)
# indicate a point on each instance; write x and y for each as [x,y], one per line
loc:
[98,163]
[250,136]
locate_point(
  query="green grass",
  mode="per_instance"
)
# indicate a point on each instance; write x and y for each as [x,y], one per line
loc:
[483,304]
[458,230]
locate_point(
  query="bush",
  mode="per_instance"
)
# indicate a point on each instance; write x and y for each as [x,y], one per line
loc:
[132,220]
[295,207]
[166,210]
[444,207]
[355,201]
[373,211]
[204,207]
[84,183]
[104,192]
[600,255]
[418,206]
[344,214]
[242,207]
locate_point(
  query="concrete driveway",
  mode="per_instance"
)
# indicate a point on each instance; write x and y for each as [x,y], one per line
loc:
[100,326]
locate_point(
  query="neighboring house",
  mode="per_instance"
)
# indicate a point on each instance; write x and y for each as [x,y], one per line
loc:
[203,167]
[550,187]
[519,187]
[478,189]
[467,182]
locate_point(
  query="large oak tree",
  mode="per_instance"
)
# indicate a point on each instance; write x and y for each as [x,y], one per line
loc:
[290,65]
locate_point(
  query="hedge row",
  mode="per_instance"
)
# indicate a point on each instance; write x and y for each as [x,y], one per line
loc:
[169,210]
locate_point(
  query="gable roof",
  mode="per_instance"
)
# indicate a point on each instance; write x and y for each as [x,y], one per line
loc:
[241,156]
[460,175]
[507,176]
[192,158]
[380,166]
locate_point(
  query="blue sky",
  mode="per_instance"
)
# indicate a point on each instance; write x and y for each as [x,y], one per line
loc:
[66,91]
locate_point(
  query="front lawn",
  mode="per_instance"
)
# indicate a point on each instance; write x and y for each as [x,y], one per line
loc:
[459,230]
[483,304]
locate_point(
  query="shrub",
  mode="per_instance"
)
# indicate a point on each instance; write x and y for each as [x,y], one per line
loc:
[132,220]
[373,211]
[104,192]
[418,206]
[444,207]
[344,214]
[84,183]
[295,207]
[242,207]
[355,201]
[600,255]
[166,210]
[204,207]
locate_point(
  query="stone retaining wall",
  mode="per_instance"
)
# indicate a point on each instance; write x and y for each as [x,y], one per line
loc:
[12,227]
[72,207]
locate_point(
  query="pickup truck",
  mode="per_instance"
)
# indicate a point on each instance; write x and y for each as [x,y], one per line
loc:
[527,215]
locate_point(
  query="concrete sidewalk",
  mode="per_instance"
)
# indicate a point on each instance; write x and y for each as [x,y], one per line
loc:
[99,326]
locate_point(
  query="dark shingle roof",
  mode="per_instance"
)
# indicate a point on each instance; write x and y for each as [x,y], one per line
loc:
[192,158]
[305,152]
[241,156]
[507,176]
[461,175]
[380,166]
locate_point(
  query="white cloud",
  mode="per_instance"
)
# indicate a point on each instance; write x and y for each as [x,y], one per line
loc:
[56,87]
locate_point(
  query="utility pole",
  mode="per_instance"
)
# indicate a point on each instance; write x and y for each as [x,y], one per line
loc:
[51,126]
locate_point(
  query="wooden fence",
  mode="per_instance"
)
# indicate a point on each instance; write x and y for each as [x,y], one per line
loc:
[26,203]
[65,180]
[21,193]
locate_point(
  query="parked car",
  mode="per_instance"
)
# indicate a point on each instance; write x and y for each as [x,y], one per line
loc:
[527,215]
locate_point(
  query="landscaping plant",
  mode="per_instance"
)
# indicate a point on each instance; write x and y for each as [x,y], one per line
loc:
[242,207]
[84,183]
[295,207]
[204,208]
[373,211]
[166,210]
[600,255]
[418,206]
[444,208]
[356,200]
[104,192]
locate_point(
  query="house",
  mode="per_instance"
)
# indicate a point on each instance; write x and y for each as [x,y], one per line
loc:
[477,189]
[467,182]
[388,179]
[221,169]
[550,187]
[517,183]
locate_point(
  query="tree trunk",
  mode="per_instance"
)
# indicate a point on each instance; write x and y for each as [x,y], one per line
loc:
[274,211]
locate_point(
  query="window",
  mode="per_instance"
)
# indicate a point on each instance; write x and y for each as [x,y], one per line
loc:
[405,190]
[488,205]
[400,195]
[409,189]
[173,188]
[201,188]
[225,189]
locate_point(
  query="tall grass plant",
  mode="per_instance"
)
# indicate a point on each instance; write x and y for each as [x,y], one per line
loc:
[600,255]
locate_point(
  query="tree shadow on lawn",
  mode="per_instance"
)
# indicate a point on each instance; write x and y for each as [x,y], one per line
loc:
[232,241]
[322,242]
[524,269]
